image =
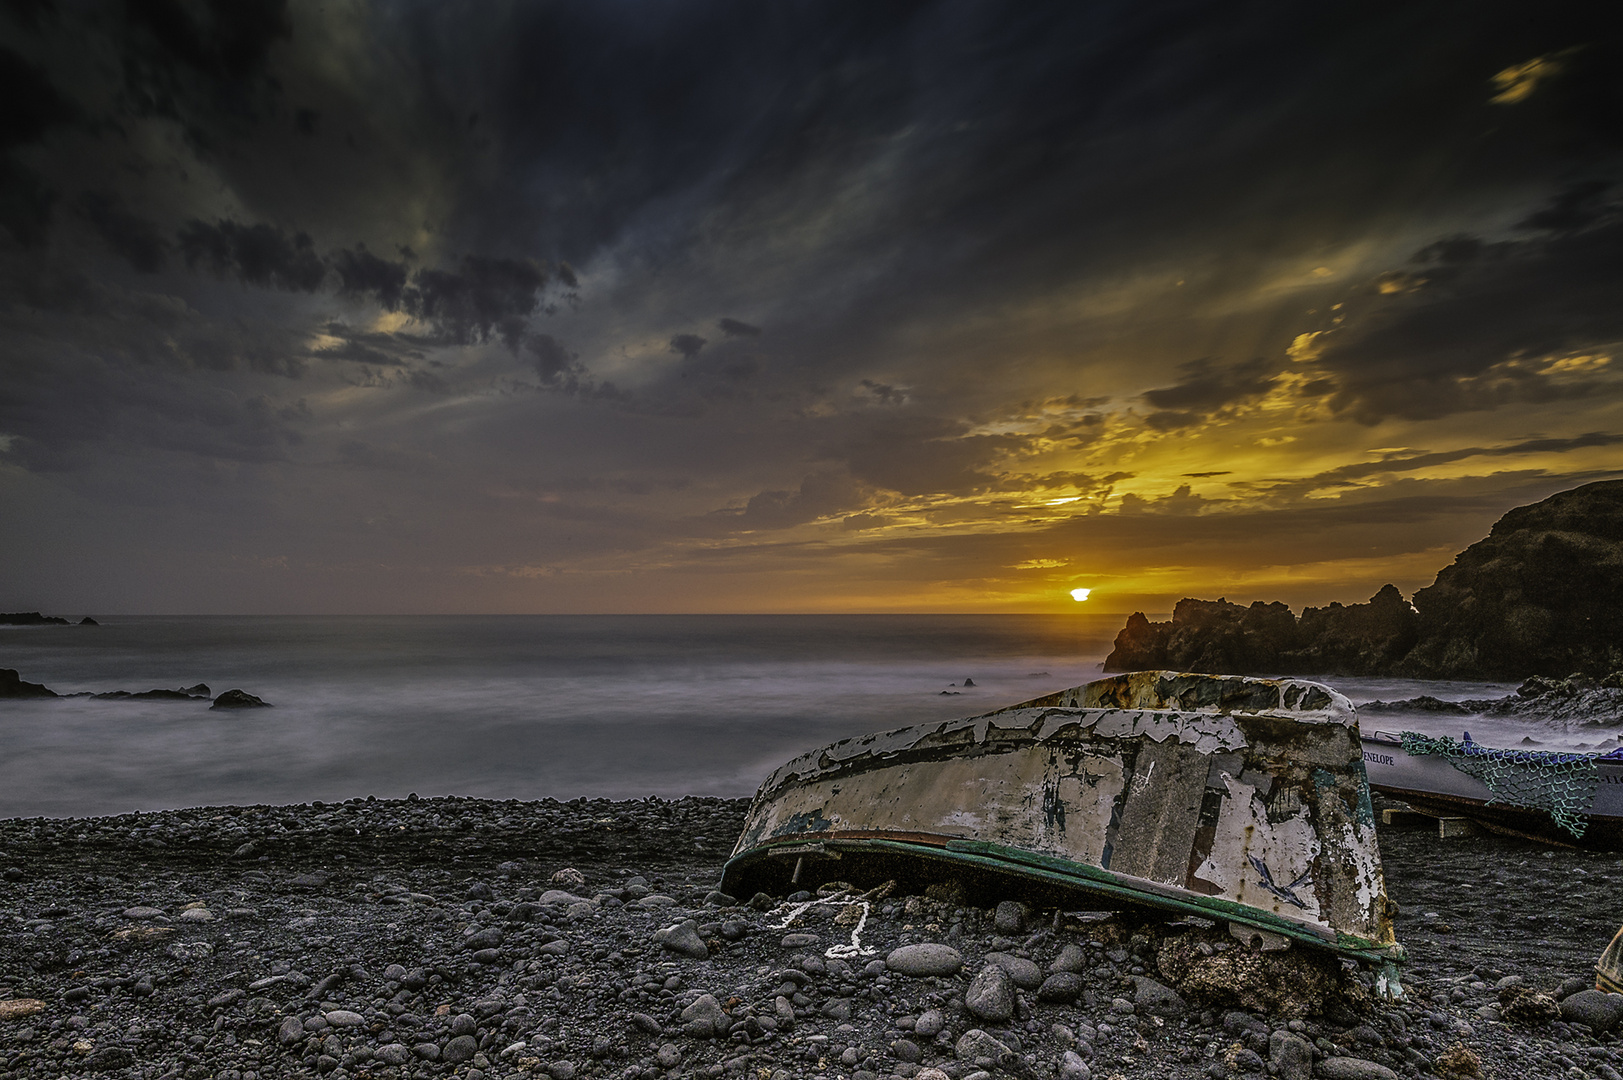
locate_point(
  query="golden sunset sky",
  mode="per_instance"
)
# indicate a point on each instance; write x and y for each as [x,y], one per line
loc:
[741,307]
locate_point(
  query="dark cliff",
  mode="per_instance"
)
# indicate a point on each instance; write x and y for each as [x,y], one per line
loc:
[1542,594]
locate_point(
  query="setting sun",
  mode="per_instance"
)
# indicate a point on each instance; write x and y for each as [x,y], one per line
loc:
[1080,595]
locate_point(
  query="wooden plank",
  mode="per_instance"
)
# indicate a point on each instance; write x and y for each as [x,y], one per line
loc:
[1449,828]
[1159,814]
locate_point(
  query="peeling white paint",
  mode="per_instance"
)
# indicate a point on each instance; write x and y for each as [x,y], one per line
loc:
[1358,847]
[1268,865]
[1208,733]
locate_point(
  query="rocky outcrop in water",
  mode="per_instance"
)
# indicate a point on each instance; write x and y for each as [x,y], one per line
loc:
[34,618]
[29,618]
[12,686]
[238,699]
[1541,595]
[190,693]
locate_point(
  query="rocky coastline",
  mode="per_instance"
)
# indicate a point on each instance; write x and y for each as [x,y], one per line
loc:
[1541,595]
[12,685]
[443,937]
[34,618]
[1571,704]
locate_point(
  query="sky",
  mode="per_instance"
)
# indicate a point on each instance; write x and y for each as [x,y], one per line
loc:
[656,306]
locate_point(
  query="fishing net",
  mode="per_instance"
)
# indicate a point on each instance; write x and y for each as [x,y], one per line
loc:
[1562,784]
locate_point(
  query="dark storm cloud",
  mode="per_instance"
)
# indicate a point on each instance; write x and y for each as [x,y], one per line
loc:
[472,301]
[1465,328]
[25,203]
[33,107]
[29,13]
[884,393]
[553,363]
[372,346]
[135,239]
[922,455]
[479,299]
[1416,462]
[201,63]
[363,274]
[33,103]
[1206,385]
[1578,206]
[68,417]
[687,345]
[735,328]
[819,495]
[261,255]
[359,352]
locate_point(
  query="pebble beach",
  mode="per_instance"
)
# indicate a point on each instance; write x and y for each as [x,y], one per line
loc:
[451,937]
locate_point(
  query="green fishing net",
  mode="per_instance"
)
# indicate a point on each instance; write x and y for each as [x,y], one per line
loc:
[1562,784]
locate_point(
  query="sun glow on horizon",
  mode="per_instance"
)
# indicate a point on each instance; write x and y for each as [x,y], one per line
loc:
[1080,595]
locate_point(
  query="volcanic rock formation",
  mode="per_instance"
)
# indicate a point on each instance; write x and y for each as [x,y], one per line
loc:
[1542,594]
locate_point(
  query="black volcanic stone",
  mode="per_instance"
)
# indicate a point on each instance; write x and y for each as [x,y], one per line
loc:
[108,973]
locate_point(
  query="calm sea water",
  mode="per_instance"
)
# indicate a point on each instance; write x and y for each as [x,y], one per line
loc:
[514,706]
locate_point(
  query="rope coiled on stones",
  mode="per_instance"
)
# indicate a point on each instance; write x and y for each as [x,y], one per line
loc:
[844,899]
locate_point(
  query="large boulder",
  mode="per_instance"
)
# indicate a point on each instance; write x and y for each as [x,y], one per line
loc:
[12,686]
[238,699]
[1542,594]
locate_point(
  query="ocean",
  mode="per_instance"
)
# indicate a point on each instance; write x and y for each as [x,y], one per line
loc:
[521,707]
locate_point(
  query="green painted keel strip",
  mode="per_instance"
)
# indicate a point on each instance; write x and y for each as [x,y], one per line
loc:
[1092,879]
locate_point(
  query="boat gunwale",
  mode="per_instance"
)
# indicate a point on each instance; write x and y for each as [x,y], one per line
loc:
[891,747]
[1604,831]
[1064,872]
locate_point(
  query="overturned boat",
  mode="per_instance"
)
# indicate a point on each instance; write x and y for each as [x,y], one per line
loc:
[1234,799]
[1562,797]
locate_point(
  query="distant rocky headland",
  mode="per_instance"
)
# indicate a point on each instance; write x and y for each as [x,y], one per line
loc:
[1540,595]
[13,686]
[34,618]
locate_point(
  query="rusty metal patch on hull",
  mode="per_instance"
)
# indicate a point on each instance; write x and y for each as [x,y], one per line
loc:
[1232,798]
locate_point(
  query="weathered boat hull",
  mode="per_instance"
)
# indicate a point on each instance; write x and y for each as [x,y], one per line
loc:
[1432,784]
[1236,799]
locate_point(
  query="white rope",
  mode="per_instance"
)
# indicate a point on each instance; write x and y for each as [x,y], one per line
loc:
[833,952]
